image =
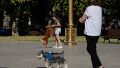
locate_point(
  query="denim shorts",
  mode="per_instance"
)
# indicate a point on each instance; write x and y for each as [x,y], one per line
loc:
[58,31]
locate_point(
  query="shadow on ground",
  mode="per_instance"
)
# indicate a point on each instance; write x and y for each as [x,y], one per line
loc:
[42,67]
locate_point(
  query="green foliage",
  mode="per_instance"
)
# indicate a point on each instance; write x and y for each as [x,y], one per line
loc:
[79,6]
[59,5]
[38,10]
[111,7]
[62,6]
[17,7]
[20,1]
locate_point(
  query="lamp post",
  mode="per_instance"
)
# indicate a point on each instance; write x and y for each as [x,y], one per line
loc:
[70,32]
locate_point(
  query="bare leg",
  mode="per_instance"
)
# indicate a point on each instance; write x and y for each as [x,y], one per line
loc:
[58,40]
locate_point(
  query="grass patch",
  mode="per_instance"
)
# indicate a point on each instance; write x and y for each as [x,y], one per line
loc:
[34,38]
[20,38]
[37,38]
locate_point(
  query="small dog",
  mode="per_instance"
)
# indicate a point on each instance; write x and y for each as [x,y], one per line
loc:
[51,58]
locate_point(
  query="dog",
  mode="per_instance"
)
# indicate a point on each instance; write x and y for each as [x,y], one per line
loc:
[51,58]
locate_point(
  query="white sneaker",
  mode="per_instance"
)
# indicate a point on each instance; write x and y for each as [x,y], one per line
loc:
[59,47]
[55,47]
[101,67]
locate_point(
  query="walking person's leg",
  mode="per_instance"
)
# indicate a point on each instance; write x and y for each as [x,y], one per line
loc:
[58,42]
[57,38]
[91,48]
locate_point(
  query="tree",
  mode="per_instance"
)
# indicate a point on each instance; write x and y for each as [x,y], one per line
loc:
[111,10]
[38,10]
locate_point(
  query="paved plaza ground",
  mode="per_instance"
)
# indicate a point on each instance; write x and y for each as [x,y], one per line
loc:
[22,54]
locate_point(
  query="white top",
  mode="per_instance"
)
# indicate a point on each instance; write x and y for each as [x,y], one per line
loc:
[94,21]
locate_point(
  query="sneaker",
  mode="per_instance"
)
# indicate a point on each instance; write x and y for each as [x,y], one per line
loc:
[59,47]
[101,67]
[55,47]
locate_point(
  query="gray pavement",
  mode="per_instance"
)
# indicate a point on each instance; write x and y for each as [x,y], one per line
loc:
[22,54]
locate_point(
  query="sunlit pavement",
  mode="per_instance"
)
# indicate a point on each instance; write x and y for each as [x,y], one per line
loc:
[22,54]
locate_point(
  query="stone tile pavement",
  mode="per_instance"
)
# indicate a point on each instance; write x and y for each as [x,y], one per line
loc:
[22,54]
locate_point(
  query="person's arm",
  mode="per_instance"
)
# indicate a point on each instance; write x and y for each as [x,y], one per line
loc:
[57,24]
[83,18]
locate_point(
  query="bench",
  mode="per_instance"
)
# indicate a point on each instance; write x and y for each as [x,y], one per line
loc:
[112,34]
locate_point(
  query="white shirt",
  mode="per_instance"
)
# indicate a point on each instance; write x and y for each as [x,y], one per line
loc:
[94,21]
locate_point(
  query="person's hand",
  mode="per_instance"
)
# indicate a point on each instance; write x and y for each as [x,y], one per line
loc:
[80,20]
[83,18]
